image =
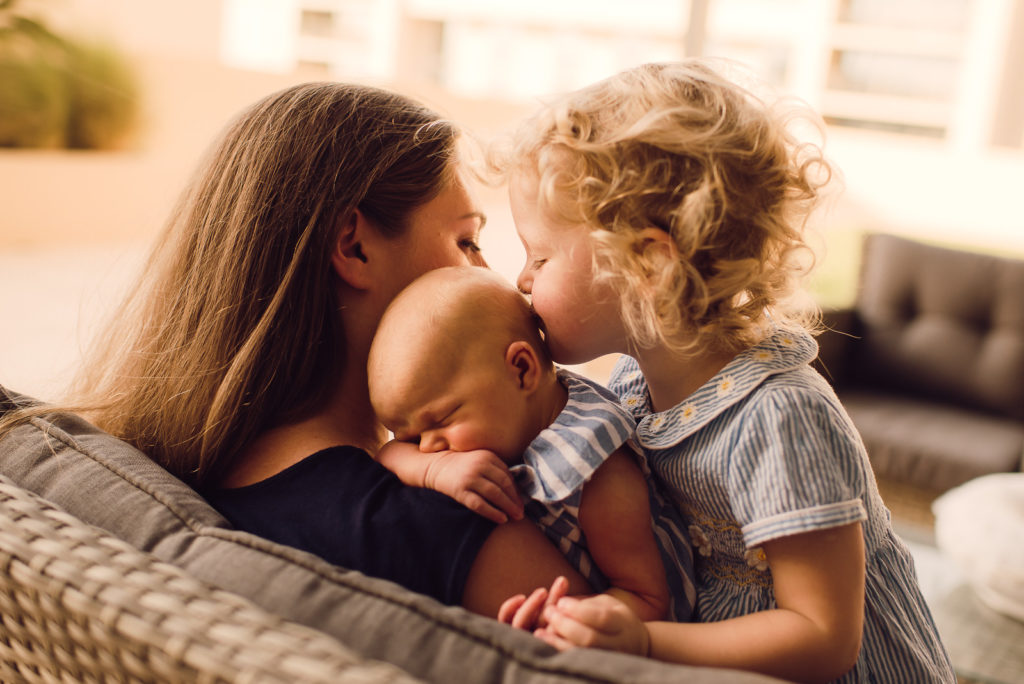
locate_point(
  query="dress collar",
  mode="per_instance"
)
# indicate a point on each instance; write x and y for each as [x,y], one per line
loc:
[781,351]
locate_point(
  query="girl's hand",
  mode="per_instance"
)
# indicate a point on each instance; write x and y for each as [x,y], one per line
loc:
[529,612]
[600,621]
[479,480]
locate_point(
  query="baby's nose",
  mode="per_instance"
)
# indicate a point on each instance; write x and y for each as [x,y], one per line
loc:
[431,442]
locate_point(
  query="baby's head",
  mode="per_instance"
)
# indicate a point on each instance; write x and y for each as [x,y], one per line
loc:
[456,363]
[693,191]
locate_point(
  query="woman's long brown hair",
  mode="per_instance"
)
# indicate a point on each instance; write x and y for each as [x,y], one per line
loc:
[233,325]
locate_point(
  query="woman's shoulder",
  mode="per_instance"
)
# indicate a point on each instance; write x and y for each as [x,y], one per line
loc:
[343,457]
[343,506]
[329,477]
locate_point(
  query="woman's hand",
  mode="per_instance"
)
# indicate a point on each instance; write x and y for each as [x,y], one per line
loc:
[479,480]
[600,621]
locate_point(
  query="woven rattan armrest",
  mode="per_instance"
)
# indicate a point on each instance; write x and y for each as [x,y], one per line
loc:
[77,604]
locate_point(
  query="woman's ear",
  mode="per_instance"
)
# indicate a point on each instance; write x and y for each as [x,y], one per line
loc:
[348,256]
[523,364]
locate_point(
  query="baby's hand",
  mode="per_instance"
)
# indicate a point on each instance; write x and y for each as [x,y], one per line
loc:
[479,480]
[598,621]
[529,613]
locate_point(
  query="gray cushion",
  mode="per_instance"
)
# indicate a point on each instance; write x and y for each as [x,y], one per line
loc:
[942,323]
[107,483]
[930,445]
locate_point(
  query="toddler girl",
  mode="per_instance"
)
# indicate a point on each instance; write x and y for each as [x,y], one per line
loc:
[662,213]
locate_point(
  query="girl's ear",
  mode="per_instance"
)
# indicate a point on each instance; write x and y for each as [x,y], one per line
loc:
[523,364]
[658,241]
[348,256]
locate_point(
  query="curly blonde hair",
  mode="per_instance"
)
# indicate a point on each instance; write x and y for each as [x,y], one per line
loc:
[680,148]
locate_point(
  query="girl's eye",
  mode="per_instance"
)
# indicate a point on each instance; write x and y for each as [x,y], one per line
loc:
[537,263]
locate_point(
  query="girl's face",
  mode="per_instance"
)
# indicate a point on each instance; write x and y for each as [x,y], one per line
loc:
[581,316]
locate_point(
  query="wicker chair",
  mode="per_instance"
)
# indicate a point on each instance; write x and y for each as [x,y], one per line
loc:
[79,605]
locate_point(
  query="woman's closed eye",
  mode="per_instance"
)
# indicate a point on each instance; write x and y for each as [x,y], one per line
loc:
[470,245]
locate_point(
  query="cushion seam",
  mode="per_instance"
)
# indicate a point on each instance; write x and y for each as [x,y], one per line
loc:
[69,441]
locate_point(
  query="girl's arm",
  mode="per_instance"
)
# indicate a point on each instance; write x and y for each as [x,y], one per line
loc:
[813,635]
[479,480]
[615,516]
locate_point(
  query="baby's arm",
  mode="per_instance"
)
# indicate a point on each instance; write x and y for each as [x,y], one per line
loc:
[813,635]
[479,480]
[615,515]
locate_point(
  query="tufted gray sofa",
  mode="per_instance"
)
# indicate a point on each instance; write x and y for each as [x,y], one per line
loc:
[929,362]
[85,521]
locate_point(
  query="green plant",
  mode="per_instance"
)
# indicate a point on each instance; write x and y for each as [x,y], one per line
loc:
[34,102]
[103,97]
[59,92]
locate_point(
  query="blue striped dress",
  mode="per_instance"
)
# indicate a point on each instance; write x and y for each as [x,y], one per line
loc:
[565,455]
[764,450]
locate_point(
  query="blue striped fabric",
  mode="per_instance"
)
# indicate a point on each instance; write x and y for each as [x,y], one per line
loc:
[564,456]
[765,450]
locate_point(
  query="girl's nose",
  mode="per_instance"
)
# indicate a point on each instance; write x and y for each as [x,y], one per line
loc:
[524,282]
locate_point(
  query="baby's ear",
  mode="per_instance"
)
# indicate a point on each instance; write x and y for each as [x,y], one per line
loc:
[523,364]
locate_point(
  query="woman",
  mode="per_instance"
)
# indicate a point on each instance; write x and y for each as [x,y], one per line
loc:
[239,361]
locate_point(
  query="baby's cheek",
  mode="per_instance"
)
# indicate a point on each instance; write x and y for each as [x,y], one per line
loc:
[464,438]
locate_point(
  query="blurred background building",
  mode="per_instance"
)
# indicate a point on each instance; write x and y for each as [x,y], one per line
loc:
[924,101]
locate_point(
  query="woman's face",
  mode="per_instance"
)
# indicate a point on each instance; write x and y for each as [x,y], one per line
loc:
[581,315]
[443,232]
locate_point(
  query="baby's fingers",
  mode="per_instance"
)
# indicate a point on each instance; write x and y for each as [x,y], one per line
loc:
[481,506]
[528,614]
[509,607]
[559,588]
[510,502]
[497,495]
